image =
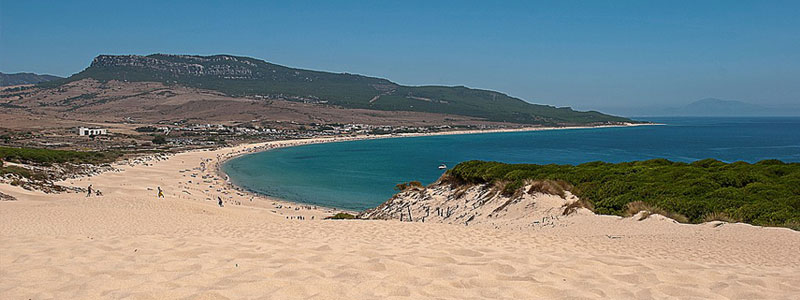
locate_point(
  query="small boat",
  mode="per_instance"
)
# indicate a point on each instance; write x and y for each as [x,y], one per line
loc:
[442,167]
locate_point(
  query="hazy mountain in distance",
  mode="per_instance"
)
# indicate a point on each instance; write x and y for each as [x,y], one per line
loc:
[708,107]
[713,107]
[24,78]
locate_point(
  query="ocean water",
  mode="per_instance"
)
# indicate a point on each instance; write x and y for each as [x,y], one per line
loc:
[358,175]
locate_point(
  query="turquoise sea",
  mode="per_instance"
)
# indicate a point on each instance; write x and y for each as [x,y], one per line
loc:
[358,175]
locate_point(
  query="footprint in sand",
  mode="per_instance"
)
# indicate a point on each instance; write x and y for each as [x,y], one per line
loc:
[466,252]
[502,268]
[323,248]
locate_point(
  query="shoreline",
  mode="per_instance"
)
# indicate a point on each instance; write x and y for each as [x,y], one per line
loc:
[254,148]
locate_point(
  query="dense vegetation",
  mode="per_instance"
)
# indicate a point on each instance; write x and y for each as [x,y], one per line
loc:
[47,156]
[765,193]
[159,140]
[341,216]
[243,76]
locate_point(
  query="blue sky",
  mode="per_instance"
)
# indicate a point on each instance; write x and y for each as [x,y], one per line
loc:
[608,55]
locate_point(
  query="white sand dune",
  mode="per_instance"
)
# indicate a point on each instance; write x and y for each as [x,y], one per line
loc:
[129,244]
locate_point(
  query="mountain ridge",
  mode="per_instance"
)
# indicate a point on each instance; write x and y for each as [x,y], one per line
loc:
[719,107]
[9,79]
[250,77]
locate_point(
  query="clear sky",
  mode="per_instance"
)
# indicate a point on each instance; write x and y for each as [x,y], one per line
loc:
[606,55]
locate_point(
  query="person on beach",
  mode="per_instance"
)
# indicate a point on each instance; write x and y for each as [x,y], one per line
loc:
[160,193]
[89,194]
[220,201]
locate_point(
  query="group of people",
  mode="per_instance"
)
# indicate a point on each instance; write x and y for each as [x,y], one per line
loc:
[160,194]
[91,191]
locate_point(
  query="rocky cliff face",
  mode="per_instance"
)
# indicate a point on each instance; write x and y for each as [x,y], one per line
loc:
[479,205]
[220,66]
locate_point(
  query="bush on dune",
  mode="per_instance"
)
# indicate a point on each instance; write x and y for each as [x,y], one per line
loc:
[341,216]
[47,156]
[408,185]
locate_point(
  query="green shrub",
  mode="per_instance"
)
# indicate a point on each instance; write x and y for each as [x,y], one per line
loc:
[341,216]
[47,156]
[159,140]
[146,129]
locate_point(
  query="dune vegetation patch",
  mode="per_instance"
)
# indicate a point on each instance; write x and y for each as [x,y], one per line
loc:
[47,156]
[408,185]
[341,216]
[645,210]
[766,193]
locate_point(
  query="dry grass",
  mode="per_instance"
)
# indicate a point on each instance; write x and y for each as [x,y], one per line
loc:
[452,181]
[460,192]
[499,186]
[456,185]
[574,206]
[636,207]
[502,207]
[411,185]
[719,216]
[551,187]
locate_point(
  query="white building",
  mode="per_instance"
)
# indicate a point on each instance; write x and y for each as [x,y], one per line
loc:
[91,131]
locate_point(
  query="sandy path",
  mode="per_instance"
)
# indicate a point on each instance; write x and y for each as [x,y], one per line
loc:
[128,244]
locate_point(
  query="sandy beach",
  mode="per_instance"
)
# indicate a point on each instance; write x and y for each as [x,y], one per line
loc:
[130,244]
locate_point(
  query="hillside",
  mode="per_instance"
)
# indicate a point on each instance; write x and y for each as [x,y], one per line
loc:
[243,76]
[24,78]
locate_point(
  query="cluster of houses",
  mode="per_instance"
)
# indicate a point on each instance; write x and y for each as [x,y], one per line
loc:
[86,131]
[309,130]
[216,129]
[340,129]
[199,134]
